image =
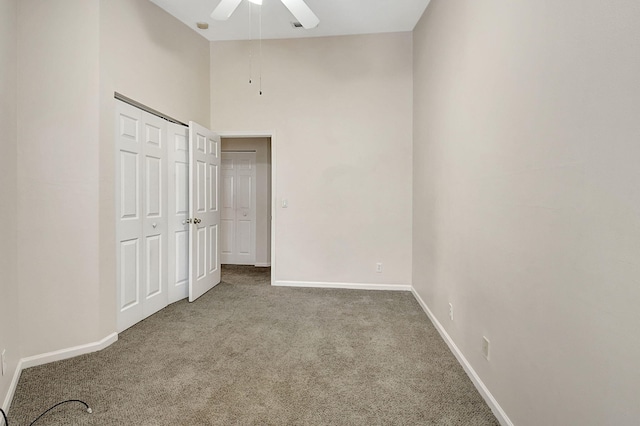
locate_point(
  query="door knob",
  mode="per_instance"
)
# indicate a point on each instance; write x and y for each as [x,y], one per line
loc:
[154,225]
[244,214]
[196,220]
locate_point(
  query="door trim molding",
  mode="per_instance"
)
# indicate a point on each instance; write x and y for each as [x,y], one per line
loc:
[274,181]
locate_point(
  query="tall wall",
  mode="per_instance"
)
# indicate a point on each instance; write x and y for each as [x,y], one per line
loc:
[341,110]
[262,147]
[57,116]
[71,57]
[527,202]
[151,57]
[9,317]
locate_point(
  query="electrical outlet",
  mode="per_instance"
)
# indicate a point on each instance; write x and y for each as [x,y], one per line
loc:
[451,311]
[379,267]
[485,347]
[4,362]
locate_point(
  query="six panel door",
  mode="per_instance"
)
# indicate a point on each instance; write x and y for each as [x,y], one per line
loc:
[204,202]
[141,229]
[238,221]
[178,200]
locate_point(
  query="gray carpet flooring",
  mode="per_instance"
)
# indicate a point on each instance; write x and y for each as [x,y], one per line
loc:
[247,353]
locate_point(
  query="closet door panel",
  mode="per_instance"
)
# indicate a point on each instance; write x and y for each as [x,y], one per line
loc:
[178,228]
[154,227]
[141,211]
[130,250]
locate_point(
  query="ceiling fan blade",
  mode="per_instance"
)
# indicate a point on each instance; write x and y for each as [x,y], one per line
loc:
[223,11]
[302,13]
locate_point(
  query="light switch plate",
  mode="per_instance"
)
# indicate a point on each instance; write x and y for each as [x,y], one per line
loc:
[485,347]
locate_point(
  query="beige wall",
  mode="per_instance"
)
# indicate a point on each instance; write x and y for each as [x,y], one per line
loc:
[262,147]
[341,110]
[527,201]
[151,57]
[9,333]
[57,224]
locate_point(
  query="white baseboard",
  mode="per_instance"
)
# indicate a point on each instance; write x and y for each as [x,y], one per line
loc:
[484,392]
[48,357]
[263,265]
[352,286]
[12,388]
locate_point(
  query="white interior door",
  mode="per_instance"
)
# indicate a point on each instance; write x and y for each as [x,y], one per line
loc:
[154,223]
[238,208]
[204,172]
[178,201]
[141,228]
[129,214]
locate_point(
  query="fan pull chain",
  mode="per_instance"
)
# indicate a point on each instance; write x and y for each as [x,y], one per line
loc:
[260,70]
[250,41]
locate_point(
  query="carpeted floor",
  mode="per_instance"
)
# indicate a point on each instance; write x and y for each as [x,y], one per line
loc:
[247,353]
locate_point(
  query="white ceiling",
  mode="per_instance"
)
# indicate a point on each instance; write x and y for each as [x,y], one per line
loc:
[337,17]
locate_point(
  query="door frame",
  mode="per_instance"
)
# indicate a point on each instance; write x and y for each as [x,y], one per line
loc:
[272,135]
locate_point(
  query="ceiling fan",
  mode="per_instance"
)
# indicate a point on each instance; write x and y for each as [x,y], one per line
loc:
[298,9]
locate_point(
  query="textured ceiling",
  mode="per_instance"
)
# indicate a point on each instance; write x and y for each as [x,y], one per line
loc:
[337,17]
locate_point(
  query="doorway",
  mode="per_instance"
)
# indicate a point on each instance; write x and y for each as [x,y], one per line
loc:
[246,196]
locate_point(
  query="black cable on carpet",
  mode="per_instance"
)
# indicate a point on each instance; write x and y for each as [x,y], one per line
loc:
[89,410]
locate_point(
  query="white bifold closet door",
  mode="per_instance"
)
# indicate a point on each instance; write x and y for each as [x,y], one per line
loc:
[178,200]
[168,216]
[141,208]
